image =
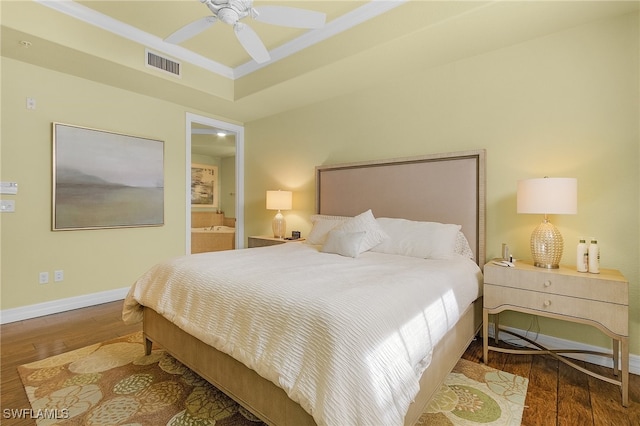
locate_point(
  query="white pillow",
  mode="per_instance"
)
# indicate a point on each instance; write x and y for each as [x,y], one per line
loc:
[367,223]
[329,217]
[343,243]
[462,246]
[321,225]
[427,240]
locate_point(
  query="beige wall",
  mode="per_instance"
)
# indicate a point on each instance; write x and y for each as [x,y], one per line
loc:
[228,186]
[562,105]
[565,105]
[95,260]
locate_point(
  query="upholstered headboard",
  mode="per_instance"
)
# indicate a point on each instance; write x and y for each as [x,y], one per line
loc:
[447,188]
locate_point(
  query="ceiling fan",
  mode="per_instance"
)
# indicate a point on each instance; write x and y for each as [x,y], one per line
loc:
[232,11]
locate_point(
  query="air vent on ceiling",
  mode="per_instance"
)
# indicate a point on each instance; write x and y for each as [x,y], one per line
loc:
[154,60]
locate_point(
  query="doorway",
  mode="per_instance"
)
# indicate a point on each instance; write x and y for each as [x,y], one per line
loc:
[218,143]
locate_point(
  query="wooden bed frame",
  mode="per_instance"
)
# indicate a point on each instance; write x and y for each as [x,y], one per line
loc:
[447,188]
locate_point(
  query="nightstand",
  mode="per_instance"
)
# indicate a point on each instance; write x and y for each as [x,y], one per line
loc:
[265,240]
[600,300]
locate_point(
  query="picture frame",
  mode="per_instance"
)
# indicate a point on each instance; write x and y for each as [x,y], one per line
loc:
[204,185]
[103,179]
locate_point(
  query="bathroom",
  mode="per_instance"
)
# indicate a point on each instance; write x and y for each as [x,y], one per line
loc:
[213,185]
[212,231]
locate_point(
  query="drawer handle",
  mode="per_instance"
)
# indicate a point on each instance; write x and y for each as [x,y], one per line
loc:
[547,303]
[547,283]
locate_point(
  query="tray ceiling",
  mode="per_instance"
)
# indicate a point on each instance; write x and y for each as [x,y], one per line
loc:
[362,43]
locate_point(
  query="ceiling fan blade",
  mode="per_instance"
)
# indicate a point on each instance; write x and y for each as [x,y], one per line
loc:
[191,29]
[290,17]
[251,42]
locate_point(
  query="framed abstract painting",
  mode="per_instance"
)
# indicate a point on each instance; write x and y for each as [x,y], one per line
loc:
[103,179]
[204,185]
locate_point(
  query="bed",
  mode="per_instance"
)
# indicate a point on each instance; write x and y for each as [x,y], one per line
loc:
[312,373]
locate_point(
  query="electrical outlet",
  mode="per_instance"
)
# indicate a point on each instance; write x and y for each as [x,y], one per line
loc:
[44,277]
[58,275]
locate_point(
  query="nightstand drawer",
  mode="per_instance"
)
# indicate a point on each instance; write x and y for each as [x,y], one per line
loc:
[582,310]
[600,300]
[608,286]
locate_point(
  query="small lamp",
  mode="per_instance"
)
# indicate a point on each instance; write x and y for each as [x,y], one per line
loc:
[279,200]
[547,196]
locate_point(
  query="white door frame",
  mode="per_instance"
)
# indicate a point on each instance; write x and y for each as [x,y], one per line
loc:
[239,132]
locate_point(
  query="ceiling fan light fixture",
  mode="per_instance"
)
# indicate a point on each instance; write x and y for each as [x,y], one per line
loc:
[232,11]
[228,15]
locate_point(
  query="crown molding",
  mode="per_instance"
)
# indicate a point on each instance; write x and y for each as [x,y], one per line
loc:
[91,17]
[362,14]
[342,23]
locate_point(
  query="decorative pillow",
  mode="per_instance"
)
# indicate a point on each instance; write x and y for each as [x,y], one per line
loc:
[462,246]
[427,240]
[343,243]
[367,223]
[321,225]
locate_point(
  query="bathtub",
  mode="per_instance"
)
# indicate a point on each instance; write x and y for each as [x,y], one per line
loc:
[213,238]
[215,228]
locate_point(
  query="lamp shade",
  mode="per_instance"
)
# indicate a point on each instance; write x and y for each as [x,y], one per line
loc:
[548,196]
[279,200]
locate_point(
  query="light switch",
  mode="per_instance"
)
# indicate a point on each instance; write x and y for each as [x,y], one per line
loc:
[7,206]
[9,188]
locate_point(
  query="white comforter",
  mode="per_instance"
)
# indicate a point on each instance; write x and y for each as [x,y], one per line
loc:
[348,339]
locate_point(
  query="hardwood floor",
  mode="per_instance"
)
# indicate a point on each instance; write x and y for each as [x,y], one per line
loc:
[557,394]
[560,395]
[27,341]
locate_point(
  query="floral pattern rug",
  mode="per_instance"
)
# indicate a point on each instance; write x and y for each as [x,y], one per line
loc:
[475,394]
[114,383]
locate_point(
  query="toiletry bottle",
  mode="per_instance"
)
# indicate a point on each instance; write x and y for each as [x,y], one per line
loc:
[582,259]
[505,251]
[594,257]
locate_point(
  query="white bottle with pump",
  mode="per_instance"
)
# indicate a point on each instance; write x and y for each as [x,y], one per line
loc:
[594,257]
[582,258]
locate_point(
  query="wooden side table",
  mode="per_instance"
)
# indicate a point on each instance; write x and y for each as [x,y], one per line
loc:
[265,240]
[600,300]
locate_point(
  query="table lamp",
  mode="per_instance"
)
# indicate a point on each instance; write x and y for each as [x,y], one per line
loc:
[547,196]
[279,200]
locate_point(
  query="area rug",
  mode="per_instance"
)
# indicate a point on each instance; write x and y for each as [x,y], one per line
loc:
[114,383]
[474,394]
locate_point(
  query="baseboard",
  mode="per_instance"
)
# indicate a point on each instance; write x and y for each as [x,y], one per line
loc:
[61,305]
[556,343]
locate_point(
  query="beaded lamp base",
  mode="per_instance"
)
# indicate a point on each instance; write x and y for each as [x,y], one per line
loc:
[279,225]
[546,246]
